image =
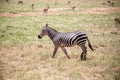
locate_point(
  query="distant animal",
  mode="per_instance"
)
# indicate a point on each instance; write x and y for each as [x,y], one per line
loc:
[55,2]
[108,1]
[45,11]
[73,8]
[69,2]
[67,39]
[32,5]
[112,4]
[20,2]
[117,21]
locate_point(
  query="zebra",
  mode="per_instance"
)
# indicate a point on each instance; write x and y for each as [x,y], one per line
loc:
[66,39]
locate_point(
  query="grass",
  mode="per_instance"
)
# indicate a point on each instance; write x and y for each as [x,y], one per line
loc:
[13,7]
[15,32]
[24,57]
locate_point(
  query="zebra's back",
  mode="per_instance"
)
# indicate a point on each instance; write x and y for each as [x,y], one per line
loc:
[70,38]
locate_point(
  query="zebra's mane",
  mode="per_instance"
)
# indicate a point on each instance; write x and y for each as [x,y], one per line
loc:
[52,29]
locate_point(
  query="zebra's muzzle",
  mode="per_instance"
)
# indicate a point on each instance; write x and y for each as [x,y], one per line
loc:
[39,37]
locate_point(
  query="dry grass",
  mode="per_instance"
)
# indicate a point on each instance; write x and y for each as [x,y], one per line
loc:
[31,62]
[24,57]
[32,59]
[34,63]
[29,58]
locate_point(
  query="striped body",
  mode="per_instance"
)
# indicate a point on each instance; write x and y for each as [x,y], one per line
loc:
[67,39]
[70,39]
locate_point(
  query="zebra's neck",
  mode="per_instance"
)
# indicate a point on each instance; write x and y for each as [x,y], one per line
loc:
[51,33]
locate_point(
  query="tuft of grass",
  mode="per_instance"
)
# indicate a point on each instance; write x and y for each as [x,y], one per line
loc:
[114,33]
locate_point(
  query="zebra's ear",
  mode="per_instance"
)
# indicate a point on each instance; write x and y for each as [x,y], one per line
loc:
[46,25]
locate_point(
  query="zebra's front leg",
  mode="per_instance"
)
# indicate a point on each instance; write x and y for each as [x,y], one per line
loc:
[54,52]
[65,51]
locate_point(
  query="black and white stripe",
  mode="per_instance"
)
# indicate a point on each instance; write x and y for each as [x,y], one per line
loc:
[67,39]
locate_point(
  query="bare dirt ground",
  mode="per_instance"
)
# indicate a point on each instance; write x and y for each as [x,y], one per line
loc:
[59,11]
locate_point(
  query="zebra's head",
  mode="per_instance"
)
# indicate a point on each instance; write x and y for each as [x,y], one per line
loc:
[43,31]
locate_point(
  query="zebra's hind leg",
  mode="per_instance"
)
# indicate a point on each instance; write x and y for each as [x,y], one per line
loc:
[65,51]
[55,50]
[81,56]
[84,52]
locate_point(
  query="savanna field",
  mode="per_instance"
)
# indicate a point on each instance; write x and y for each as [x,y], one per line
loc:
[25,57]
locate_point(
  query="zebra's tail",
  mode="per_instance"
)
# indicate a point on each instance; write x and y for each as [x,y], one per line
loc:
[89,44]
